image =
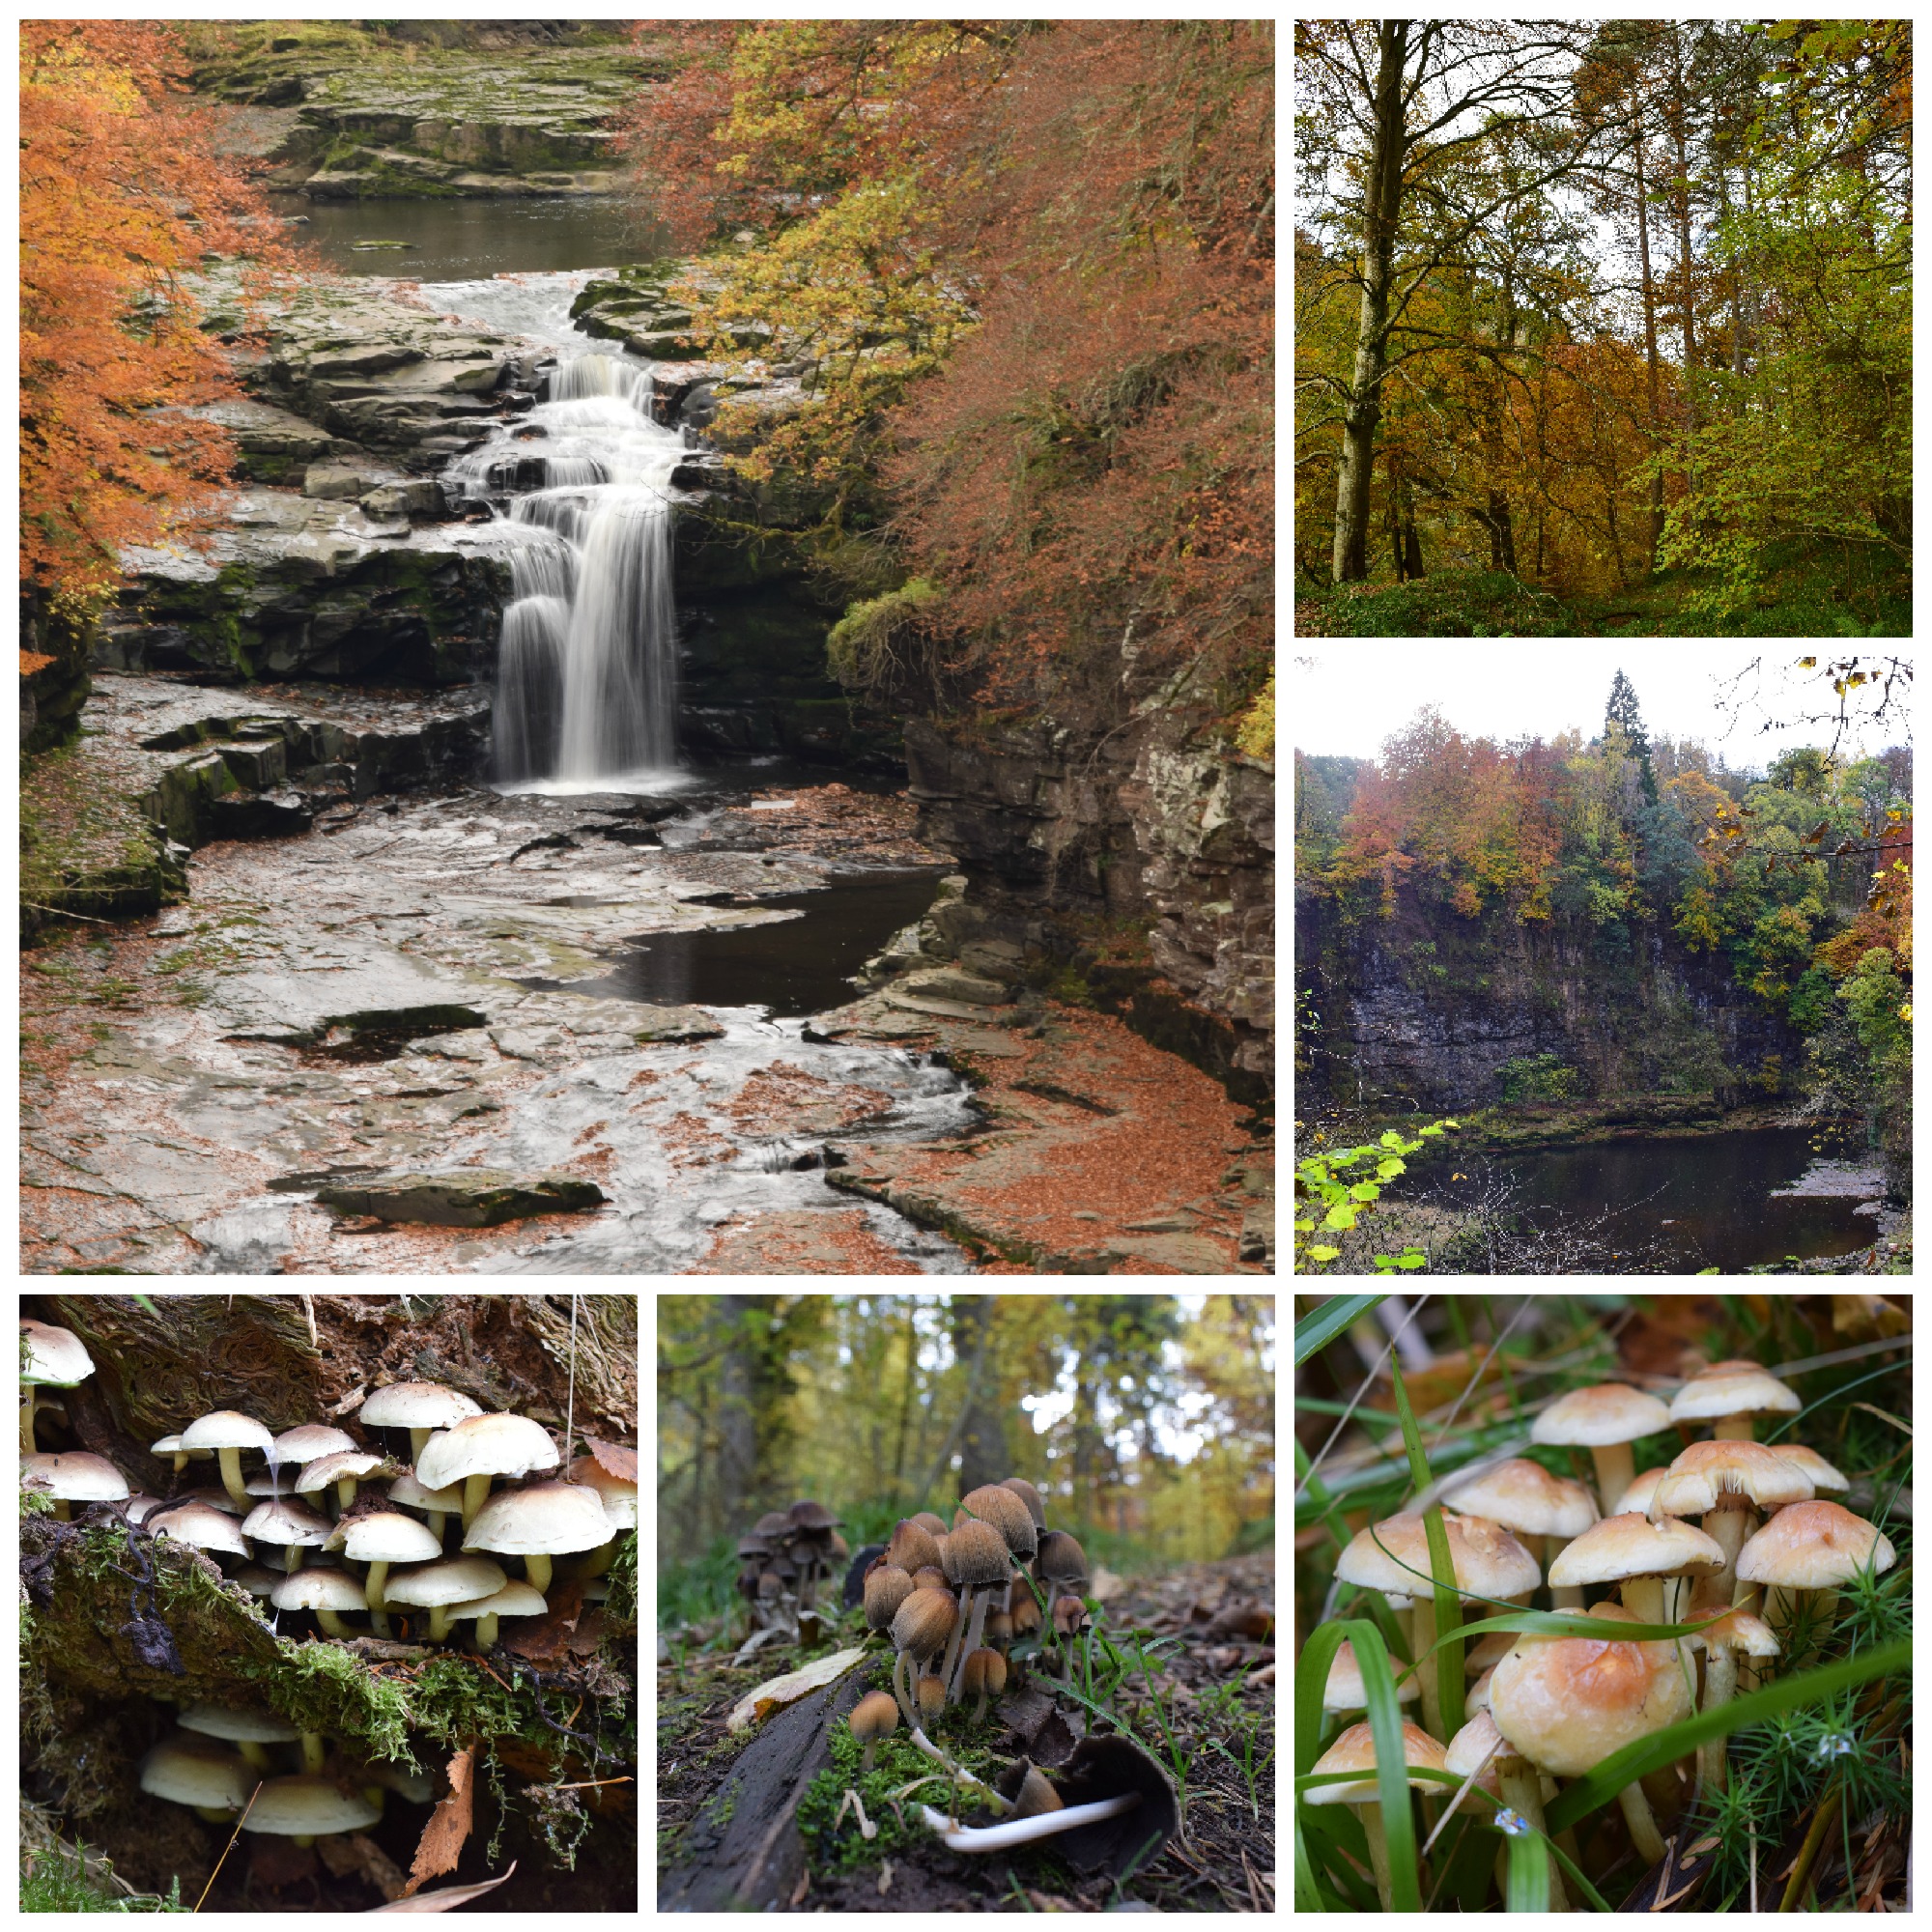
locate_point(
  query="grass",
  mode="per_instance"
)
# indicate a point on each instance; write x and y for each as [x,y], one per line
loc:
[64,1878]
[1818,1752]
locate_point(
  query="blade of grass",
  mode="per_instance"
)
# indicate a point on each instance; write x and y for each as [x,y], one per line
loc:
[1624,1767]
[1443,1701]
[1308,1483]
[1317,1329]
[1529,1884]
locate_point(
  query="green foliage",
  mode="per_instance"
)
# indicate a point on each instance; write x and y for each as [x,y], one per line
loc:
[883,643]
[1324,1189]
[64,1879]
[1450,604]
[1541,1076]
[1255,734]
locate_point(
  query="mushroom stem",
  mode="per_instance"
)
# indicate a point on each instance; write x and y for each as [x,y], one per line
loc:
[1721,1683]
[417,1437]
[475,1493]
[1644,1835]
[334,1626]
[27,1420]
[230,1477]
[955,1688]
[1566,1596]
[924,1744]
[1727,1526]
[312,1749]
[1616,1471]
[952,1650]
[536,1573]
[344,1494]
[292,1558]
[1024,1831]
[372,1585]
[1733,1429]
[1643,1598]
[899,1692]
[1422,1639]
[214,1813]
[255,1754]
[486,1631]
[439,1621]
[600,1559]
[1378,1851]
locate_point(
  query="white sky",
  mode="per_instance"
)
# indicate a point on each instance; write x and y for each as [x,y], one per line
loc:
[1347,700]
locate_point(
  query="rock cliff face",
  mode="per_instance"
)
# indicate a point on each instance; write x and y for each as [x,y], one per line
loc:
[1429,1007]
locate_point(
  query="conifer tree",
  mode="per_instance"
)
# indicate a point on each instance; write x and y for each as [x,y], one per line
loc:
[1622,710]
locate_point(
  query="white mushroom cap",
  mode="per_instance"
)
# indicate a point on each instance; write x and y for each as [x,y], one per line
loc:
[74,1476]
[334,1466]
[309,1439]
[516,1599]
[547,1519]
[386,1537]
[1824,1477]
[415,1406]
[1344,1690]
[1596,1418]
[259,1581]
[1524,1496]
[140,1506]
[217,1720]
[418,1787]
[485,1445]
[292,1525]
[197,1523]
[1487,1559]
[1732,1389]
[320,1590]
[171,1445]
[215,1500]
[1622,1547]
[225,1429]
[186,1771]
[406,1493]
[56,1357]
[619,1497]
[308,1807]
[455,1580]
[1354,1750]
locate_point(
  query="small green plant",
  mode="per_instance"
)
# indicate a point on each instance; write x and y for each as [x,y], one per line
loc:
[1538,1076]
[1322,1181]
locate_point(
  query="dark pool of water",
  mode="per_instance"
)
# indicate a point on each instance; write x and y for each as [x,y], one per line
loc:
[793,966]
[456,240]
[1703,1202]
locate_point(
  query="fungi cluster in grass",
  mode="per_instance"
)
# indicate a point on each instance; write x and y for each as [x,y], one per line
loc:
[333,1528]
[783,1558]
[1549,1707]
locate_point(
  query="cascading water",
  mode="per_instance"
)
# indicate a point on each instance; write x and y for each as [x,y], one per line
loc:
[587,685]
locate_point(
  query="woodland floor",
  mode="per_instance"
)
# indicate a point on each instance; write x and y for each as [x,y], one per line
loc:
[1223,1859]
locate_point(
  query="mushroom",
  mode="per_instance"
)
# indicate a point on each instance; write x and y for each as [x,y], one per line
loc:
[138,1508]
[248,1731]
[976,1561]
[420,1407]
[50,1359]
[1736,1632]
[1721,1481]
[344,1467]
[1526,1498]
[185,1771]
[1568,1702]
[811,1526]
[200,1524]
[228,1432]
[291,1527]
[1000,1629]
[309,1442]
[911,1547]
[436,1586]
[544,1520]
[1354,1751]
[437,1505]
[1344,1692]
[1008,1514]
[1028,1494]
[1477,1696]
[307,1808]
[215,1500]
[1637,1498]
[1825,1481]
[886,1589]
[170,1446]
[929,1694]
[1604,1420]
[1392,1556]
[478,1448]
[1024,1614]
[259,1581]
[1813,1548]
[929,1576]
[1487,1653]
[326,1592]
[380,1539]
[1481,1751]
[620,1508]
[516,1599]
[1036,1796]
[982,1675]
[74,1477]
[1728,1394]
[922,1626]
[933,1526]
[875,1716]
[1640,1554]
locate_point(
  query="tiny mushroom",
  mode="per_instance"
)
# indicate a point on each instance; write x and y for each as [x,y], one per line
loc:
[74,1477]
[983,1675]
[50,1359]
[547,1519]
[189,1770]
[875,1716]
[248,1731]
[1604,1420]
[380,1539]
[1523,1496]
[437,1505]
[417,1407]
[228,1432]
[1480,1751]
[307,1808]
[1728,1394]
[922,1626]
[436,1586]
[344,1467]
[929,1694]
[170,1446]
[1737,1632]
[326,1592]
[1025,1613]
[291,1527]
[479,1447]
[1354,1751]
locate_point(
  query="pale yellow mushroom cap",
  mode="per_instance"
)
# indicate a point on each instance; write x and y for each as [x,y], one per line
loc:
[1597,1418]
[1707,1470]
[1568,1702]
[1354,1750]
[1814,1545]
[1622,1547]
[1732,1389]
[1524,1496]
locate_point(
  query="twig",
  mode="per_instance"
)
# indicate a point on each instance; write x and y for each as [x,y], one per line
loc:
[587,1783]
[228,1847]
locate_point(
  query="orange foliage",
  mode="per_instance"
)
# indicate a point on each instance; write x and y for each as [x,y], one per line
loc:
[121,193]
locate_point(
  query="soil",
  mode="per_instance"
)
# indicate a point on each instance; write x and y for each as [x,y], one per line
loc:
[712,1785]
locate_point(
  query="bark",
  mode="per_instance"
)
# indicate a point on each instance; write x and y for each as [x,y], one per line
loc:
[982,1445]
[1381,205]
[1681,205]
[1649,337]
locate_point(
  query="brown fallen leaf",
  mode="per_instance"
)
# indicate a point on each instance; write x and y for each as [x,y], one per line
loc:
[566,1632]
[613,1459]
[347,1852]
[448,1827]
[779,1691]
[446,1898]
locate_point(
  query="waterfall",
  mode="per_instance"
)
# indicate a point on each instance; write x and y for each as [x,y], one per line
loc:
[587,682]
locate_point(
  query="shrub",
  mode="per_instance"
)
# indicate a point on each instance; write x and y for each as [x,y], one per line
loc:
[1540,1076]
[1453,603]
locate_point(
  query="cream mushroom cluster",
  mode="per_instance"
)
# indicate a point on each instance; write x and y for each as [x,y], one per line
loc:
[1730,1536]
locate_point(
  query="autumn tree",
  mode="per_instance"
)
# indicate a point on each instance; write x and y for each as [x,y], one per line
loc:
[121,198]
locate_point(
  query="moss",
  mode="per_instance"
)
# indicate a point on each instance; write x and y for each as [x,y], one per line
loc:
[622,1608]
[66,1877]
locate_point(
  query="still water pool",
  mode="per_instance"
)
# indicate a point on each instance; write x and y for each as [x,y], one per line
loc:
[1708,1202]
[455,240]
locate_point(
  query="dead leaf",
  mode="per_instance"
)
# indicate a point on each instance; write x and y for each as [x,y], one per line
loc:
[566,1632]
[1106,1586]
[352,1401]
[613,1459]
[757,1705]
[448,1828]
[347,1852]
[448,1898]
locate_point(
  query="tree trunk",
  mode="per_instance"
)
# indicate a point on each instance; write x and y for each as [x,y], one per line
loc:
[1649,339]
[982,1441]
[1381,204]
[749,1384]
[1681,204]
[1411,541]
